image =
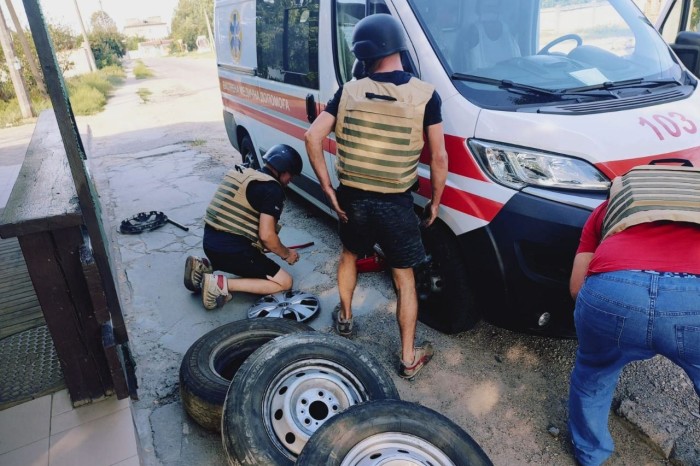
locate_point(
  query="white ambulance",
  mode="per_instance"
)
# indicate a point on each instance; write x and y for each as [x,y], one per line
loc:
[544,102]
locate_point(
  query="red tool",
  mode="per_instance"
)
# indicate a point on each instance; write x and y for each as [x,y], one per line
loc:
[373,263]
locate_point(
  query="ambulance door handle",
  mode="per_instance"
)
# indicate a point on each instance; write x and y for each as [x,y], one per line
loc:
[311,112]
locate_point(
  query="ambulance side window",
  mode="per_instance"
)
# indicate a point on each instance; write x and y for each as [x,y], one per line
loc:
[287,41]
[347,14]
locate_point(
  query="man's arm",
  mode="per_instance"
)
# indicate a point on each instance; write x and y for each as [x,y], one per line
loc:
[314,137]
[579,271]
[270,240]
[438,170]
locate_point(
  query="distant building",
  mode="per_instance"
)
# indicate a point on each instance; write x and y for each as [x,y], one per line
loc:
[153,28]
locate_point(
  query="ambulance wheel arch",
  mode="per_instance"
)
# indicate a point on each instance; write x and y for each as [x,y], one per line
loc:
[248,155]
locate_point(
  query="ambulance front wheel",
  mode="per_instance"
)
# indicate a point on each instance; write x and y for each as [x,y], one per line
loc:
[445,297]
[248,155]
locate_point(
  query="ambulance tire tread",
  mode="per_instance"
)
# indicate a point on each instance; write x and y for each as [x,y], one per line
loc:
[248,155]
[245,437]
[211,362]
[332,442]
[454,309]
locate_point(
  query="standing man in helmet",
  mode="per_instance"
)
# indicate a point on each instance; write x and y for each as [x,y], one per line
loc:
[240,222]
[380,122]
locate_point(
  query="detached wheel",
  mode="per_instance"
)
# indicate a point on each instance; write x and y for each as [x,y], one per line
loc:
[391,432]
[445,299]
[248,155]
[288,388]
[211,362]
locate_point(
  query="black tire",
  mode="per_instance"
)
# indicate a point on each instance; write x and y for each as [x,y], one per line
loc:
[248,155]
[389,429]
[266,419]
[211,362]
[445,298]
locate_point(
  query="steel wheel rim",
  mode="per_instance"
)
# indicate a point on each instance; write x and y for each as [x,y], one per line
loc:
[294,305]
[305,395]
[395,449]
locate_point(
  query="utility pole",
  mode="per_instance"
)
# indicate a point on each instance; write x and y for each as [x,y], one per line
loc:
[211,36]
[88,50]
[25,46]
[13,67]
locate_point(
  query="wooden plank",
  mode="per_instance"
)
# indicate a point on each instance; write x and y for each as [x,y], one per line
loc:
[70,244]
[19,306]
[55,205]
[111,350]
[79,368]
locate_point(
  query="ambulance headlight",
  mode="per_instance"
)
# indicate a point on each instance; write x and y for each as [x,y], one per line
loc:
[517,167]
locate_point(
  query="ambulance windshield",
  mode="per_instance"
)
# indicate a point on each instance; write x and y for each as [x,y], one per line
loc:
[549,46]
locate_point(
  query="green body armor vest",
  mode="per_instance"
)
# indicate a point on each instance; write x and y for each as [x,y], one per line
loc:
[650,193]
[230,210]
[379,134]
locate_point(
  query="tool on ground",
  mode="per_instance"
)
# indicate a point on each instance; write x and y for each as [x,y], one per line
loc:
[146,221]
[296,246]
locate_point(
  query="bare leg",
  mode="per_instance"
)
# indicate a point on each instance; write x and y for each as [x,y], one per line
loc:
[282,281]
[347,280]
[406,310]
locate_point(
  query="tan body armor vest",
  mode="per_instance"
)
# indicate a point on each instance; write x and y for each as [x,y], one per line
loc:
[230,210]
[379,134]
[651,193]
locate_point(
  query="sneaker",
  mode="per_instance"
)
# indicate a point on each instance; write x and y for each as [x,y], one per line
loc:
[195,268]
[215,291]
[423,355]
[342,327]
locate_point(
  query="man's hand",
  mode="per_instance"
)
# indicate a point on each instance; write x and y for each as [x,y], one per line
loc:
[430,213]
[292,258]
[330,194]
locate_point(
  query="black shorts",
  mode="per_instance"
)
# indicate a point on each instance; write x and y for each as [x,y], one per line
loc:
[250,263]
[386,220]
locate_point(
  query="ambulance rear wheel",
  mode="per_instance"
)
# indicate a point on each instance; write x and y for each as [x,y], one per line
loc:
[445,297]
[248,155]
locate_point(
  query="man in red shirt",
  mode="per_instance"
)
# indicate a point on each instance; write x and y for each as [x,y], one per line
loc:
[636,281]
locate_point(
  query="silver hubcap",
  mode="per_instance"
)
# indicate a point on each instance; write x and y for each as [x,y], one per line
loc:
[396,449]
[294,305]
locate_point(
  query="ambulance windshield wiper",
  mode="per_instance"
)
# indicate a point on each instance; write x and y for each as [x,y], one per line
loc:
[503,84]
[520,88]
[626,84]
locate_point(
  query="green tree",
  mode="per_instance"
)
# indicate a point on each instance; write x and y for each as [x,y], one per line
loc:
[190,21]
[107,47]
[63,40]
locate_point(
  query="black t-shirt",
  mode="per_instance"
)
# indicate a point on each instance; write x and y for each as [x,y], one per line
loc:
[433,112]
[267,197]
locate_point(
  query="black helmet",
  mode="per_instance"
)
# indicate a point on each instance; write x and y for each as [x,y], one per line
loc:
[283,158]
[377,36]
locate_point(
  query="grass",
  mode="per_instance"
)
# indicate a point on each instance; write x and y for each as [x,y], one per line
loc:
[144,94]
[88,95]
[141,71]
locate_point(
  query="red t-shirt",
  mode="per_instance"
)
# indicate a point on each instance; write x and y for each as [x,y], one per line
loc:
[661,246]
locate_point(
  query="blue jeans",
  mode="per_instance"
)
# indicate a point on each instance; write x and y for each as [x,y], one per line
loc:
[622,317]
